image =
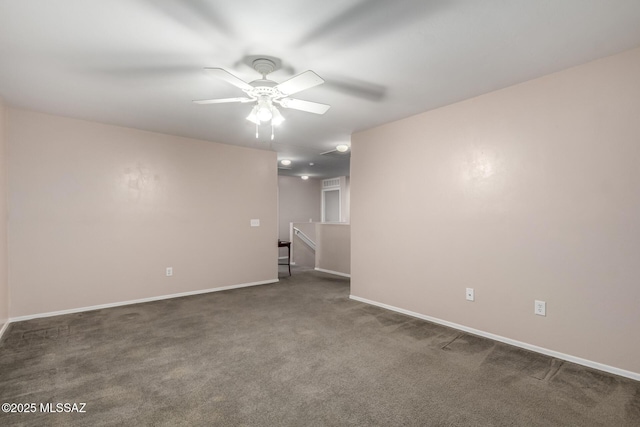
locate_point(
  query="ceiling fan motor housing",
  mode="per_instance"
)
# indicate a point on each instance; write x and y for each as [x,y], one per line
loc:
[263,87]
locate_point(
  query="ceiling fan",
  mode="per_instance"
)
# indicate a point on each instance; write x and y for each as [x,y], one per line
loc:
[265,93]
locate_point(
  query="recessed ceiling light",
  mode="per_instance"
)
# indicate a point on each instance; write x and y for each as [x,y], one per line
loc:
[342,148]
[311,164]
[305,177]
[285,162]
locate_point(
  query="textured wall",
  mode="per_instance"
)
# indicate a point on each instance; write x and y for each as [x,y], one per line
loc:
[4,275]
[298,201]
[97,213]
[531,192]
[333,252]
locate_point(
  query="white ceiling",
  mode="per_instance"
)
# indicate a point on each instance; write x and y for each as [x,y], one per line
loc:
[138,63]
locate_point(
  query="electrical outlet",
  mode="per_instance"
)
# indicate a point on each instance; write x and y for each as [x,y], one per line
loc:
[255,223]
[169,271]
[470,294]
[540,308]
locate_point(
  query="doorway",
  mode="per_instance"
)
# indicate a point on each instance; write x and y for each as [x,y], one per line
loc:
[331,205]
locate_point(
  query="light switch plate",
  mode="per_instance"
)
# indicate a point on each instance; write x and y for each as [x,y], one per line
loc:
[255,223]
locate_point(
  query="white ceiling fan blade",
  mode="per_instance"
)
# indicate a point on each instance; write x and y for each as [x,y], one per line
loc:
[301,82]
[309,107]
[229,78]
[222,100]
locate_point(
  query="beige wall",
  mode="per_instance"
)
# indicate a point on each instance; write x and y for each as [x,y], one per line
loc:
[346,200]
[4,275]
[298,201]
[532,192]
[333,251]
[97,213]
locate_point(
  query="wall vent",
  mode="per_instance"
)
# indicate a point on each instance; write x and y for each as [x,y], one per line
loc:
[330,183]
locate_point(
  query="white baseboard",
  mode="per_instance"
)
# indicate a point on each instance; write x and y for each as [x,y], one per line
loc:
[137,301]
[4,328]
[336,273]
[531,347]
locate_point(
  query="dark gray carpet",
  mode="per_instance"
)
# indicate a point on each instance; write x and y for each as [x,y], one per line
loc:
[295,353]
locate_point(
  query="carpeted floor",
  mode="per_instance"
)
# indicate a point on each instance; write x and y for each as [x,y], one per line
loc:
[295,353]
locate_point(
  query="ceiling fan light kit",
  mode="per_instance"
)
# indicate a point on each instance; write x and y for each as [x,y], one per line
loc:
[277,118]
[265,93]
